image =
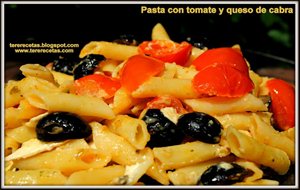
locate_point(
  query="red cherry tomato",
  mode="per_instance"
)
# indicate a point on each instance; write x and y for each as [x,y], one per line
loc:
[223,81]
[282,103]
[138,69]
[166,50]
[222,56]
[166,101]
[96,85]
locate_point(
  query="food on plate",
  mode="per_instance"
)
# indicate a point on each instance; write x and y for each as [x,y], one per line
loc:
[161,110]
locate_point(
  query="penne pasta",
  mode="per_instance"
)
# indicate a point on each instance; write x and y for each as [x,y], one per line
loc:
[248,148]
[157,86]
[109,50]
[35,177]
[274,138]
[121,151]
[159,33]
[38,71]
[81,105]
[133,130]
[220,106]
[176,156]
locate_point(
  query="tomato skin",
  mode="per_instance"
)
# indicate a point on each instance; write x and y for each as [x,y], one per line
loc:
[282,103]
[97,85]
[222,56]
[138,69]
[166,101]
[166,50]
[223,81]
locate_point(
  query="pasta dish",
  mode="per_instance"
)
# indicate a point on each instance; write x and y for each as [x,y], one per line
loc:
[158,112]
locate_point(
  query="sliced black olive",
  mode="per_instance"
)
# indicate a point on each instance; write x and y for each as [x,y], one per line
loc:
[127,39]
[163,132]
[87,65]
[59,126]
[224,173]
[201,126]
[63,65]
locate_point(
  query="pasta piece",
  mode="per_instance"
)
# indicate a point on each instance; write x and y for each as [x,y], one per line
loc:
[10,145]
[61,78]
[159,33]
[133,130]
[109,50]
[257,80]
[66,160]
[196,52]
[13,93]
[27,111]
[122,101]
[121,151]
[263,90]
[94,176]
[29,84]
[157,86]
[156,172]
[248,148]
[267,182]
[39,71]
[266,134]
[81,105]
[12,119]
[242,121]
[185,72]
[220,106]
[190,175]
[170,70]
[35,177]
[21,134]
[176,156]
[290,133]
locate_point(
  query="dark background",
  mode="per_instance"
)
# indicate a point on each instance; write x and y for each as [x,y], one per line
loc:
[267,40]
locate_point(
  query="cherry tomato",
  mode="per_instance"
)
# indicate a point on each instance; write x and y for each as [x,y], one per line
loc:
[223,81]
[138,69]
[282,103]
[222,56]
[166,101]
[167,50]
[96,85]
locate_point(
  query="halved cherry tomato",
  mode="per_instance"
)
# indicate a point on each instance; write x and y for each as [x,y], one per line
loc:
[138,69]
[96,85]
[222,56]
[223,81]
[282,103]
[166,50]
[166,101]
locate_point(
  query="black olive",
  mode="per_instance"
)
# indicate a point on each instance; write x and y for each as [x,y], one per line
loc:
[224,173]
[269,173]
[163,132]
[87,65]
[59,126]
[127,39]
[199,42]
[63,65]
[201,126]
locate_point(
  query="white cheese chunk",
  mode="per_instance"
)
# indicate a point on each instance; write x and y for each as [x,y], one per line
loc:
[31,148]
[170,113]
